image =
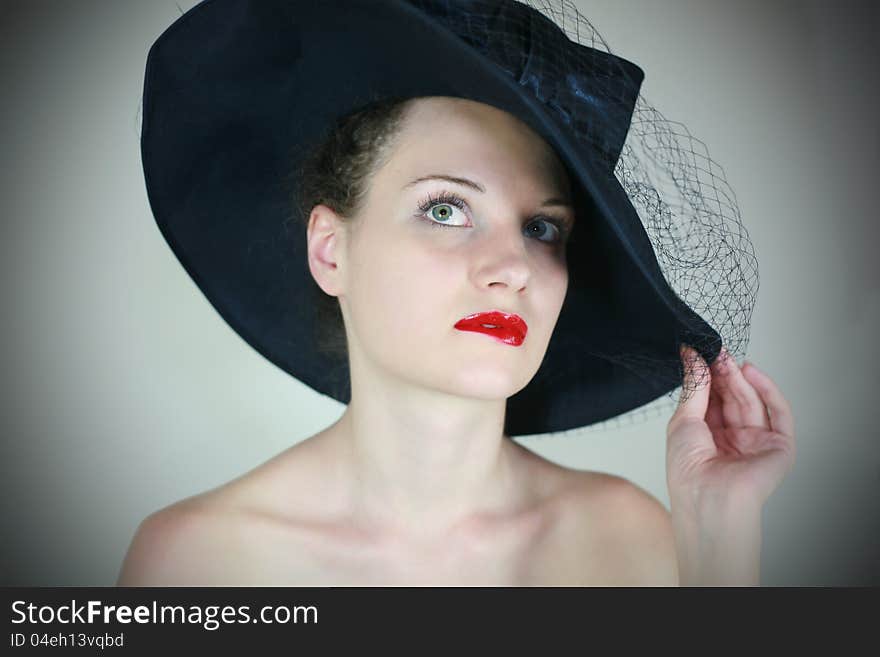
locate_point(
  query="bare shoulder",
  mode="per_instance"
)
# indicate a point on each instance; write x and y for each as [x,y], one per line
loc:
[644,525]
[611,531]
[184,544]
[220,536]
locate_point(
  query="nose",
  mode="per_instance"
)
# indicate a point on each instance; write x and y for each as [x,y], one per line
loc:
[505,260]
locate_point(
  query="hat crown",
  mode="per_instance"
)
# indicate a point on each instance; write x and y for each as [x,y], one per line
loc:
[590,91]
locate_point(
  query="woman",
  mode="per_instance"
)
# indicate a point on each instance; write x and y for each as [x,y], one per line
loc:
[417,482]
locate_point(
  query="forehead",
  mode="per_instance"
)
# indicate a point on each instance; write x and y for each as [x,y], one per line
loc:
[464,137]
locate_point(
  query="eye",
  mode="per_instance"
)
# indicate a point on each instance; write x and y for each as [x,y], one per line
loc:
[440,208]
[553,228]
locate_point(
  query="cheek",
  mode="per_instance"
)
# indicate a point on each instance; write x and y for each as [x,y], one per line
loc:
[551,275]
[549,297]
[562,284]
[400,295]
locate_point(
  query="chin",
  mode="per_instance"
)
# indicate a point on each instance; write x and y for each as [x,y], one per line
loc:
[485,381]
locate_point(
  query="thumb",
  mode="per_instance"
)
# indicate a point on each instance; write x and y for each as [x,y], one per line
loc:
[694,400]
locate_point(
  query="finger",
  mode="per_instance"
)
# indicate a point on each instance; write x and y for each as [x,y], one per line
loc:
[732,384]
[753,411]
[715,420]
[781,416]
[695,392]
[731,409]
[715,414]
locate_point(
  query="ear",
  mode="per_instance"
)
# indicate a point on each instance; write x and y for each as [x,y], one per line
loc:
[325,238]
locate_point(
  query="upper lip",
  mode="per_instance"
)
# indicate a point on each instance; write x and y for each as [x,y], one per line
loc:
[509,321]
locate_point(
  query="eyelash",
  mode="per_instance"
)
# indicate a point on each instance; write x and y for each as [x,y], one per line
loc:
[450,198]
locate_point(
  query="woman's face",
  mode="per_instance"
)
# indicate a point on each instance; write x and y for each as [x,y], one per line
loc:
[406,279]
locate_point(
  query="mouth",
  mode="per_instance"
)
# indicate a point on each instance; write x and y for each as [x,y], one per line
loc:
[509,328]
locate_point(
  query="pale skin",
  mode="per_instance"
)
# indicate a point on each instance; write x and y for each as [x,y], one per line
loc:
[416,483]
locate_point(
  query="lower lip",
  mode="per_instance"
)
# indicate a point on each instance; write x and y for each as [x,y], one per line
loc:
[499,334]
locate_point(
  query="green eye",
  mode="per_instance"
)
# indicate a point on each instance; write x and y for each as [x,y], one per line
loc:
[441,212]
[438,210]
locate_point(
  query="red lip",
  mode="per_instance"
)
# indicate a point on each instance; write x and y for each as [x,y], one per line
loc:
[511,327]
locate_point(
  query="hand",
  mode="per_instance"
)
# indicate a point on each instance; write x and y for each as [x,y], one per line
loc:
[732,441]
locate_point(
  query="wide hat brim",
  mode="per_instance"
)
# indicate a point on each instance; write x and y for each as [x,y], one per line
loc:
[236,91]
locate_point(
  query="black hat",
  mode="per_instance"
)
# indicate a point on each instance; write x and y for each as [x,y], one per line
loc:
[237,91]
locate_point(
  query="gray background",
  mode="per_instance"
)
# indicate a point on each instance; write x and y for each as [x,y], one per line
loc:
[123,390]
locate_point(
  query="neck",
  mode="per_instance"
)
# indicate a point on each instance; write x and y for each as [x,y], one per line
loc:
[420,462]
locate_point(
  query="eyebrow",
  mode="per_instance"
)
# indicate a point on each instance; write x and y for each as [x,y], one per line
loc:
[478,187]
